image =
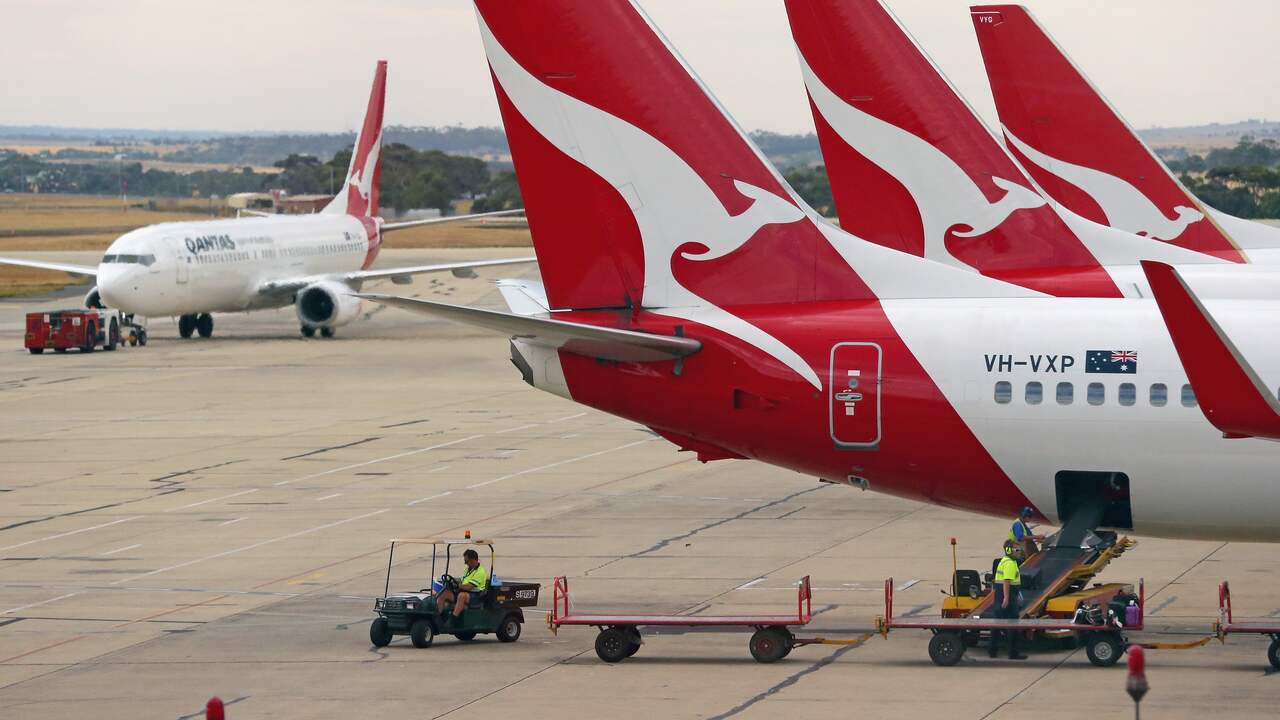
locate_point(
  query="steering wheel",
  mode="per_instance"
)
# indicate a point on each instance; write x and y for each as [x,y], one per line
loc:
[450,582]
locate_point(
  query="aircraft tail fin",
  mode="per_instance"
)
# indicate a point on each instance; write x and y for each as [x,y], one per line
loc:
[359,193]
[1077,146]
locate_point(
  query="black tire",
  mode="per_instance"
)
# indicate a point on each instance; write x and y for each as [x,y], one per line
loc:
[612,645]
[465,636]
[91,338]
[113,337]
[1104,649]
[380,633]
[634,635]
[308,331]
[1273,653]
[770,644]
[59,350]
[326,332]
[422,633]
[946,648]
[186,326]
[35,351]
[509,629]
[142,337]
[204,325]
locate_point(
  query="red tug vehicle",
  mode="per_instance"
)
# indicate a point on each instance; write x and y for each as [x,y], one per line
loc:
[81,328]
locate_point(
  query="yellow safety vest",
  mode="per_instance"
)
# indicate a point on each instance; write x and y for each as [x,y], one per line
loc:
[1026,531]
[1008,570]
[477,578]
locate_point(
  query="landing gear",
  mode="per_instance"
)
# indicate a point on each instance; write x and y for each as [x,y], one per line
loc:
[308,331]
[326,332]
[186,326]
[204,325]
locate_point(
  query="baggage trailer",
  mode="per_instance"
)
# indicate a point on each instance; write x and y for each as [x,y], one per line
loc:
[1226,625]
[1104,638]
[619,636]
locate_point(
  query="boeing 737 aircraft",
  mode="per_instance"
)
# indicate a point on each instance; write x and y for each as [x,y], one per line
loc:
[1086,156]
[313,262]
[686,287]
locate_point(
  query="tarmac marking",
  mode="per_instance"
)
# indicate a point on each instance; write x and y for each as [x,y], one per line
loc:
[906,585]
[431,497]
[328,497]
[746,585]
[120,550]
[557,464]
[211,500]
[787,682]
[252,546]
[566,417]
[42,602]
[69,534]
[232,522]
[378,460]
[520,427]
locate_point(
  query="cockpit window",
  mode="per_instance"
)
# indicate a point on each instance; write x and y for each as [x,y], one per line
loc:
[145,260]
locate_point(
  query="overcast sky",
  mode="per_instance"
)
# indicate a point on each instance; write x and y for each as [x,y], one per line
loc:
[282,65]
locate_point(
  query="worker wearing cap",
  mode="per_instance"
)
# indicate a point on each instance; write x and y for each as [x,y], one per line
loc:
[1005,584]
[475,580]
[1021,533]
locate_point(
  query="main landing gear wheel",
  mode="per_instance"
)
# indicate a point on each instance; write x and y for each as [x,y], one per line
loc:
[422,633]
[308,331]
[326,332]
[770,644]
[612,645]
[380,633]
[186,326]
[1273,653]
[1104,649]
[204,325]
[113,336]
[509,629]
[946,648]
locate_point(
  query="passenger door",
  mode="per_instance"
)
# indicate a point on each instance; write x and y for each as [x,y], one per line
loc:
[854,395]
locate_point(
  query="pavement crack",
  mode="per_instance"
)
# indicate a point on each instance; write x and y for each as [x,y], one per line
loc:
[787,682]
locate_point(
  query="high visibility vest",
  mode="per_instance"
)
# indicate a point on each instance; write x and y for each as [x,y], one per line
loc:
[1026,531]
[477,578]
[1008,570]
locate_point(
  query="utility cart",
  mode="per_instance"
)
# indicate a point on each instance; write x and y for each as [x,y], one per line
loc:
[499,610]
[1226,625]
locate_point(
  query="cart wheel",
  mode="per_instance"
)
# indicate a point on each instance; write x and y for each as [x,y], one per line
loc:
[142,337]
[59,350]
[422,632]
[1103,649]
[1273,653]
[380,633]
[633,634]
[946,648]
[770,644]
[36,351]
[91,339]
[113,336]
[612,645]
[465,636]
[509,629]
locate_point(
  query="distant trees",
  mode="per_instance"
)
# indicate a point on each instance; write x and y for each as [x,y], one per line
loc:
[1243,180]
[813,185]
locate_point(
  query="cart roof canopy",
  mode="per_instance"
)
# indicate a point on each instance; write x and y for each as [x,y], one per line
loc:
[443,541]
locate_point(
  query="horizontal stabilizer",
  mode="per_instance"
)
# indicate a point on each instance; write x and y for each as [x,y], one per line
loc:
[1231,394]
[387,227]
[588,340]
[89,270]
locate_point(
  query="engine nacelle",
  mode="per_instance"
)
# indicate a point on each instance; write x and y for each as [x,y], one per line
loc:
[93,299]
[326,304]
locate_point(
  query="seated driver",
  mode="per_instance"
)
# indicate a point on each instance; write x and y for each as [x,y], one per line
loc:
[475,580]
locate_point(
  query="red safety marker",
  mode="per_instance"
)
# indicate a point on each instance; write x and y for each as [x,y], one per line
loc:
[1137,685]
[213,709]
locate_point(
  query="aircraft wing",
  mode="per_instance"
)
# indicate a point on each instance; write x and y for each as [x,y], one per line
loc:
[1231,395]
[589,340]
[89,270]
[386,227]
[398,275]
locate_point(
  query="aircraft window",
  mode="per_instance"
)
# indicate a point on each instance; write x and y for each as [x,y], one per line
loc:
[1096,393]
[1004,392]
[1066,393]
[1128,394]
[1035,392]
[1188,396]
[108,258]
[147,260]
[1159,394]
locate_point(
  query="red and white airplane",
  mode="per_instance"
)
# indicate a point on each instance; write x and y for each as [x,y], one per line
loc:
[686,287]
[1083,153]
[313,262]
[914,168]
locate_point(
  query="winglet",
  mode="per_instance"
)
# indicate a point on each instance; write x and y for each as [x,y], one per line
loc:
[1232,396]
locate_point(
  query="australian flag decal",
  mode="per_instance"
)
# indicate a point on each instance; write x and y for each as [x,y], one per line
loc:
[1111,361]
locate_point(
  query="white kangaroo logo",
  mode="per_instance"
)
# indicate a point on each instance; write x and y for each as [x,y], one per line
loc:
[671,203]
[1124,205]
[944,194]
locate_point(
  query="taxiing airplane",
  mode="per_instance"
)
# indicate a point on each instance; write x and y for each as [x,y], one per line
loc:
[313,262]
[687,287]
[913,167]
[1086,156]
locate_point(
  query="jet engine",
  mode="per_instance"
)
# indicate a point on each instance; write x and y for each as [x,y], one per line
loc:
[326,304]
[93,299]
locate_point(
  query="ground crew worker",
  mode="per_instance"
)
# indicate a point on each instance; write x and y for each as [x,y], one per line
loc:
[475,580]
[1021,533]
[1005,584]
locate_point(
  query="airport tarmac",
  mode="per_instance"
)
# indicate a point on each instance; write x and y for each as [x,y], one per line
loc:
[210,517]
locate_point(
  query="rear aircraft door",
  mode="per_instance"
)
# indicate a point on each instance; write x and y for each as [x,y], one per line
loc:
[854,395]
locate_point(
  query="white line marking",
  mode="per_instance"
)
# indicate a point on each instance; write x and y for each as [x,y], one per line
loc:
[566,417]
[42,602]
[570,436]
[232,522]
[906,585]
[437,469]
[258,544]
[433,497]
[68,534]
[744,586]
[557,464]
[206,502]
[383,459]
[120,550]
[522,427]
[328,497]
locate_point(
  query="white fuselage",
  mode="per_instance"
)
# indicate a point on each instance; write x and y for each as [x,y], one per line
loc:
[224,265]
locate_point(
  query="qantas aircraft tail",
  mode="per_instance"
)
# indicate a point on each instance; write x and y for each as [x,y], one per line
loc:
[642,193]
[359,194]
[1075,144]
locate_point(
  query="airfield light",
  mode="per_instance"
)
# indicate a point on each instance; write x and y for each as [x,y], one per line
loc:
[1137,685]
[467,535]
[213,709]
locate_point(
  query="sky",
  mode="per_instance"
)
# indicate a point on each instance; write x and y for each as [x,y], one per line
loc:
[240,65]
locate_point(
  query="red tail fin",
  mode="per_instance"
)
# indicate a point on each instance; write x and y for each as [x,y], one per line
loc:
[359,194]
[1078,148]
[913,168]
